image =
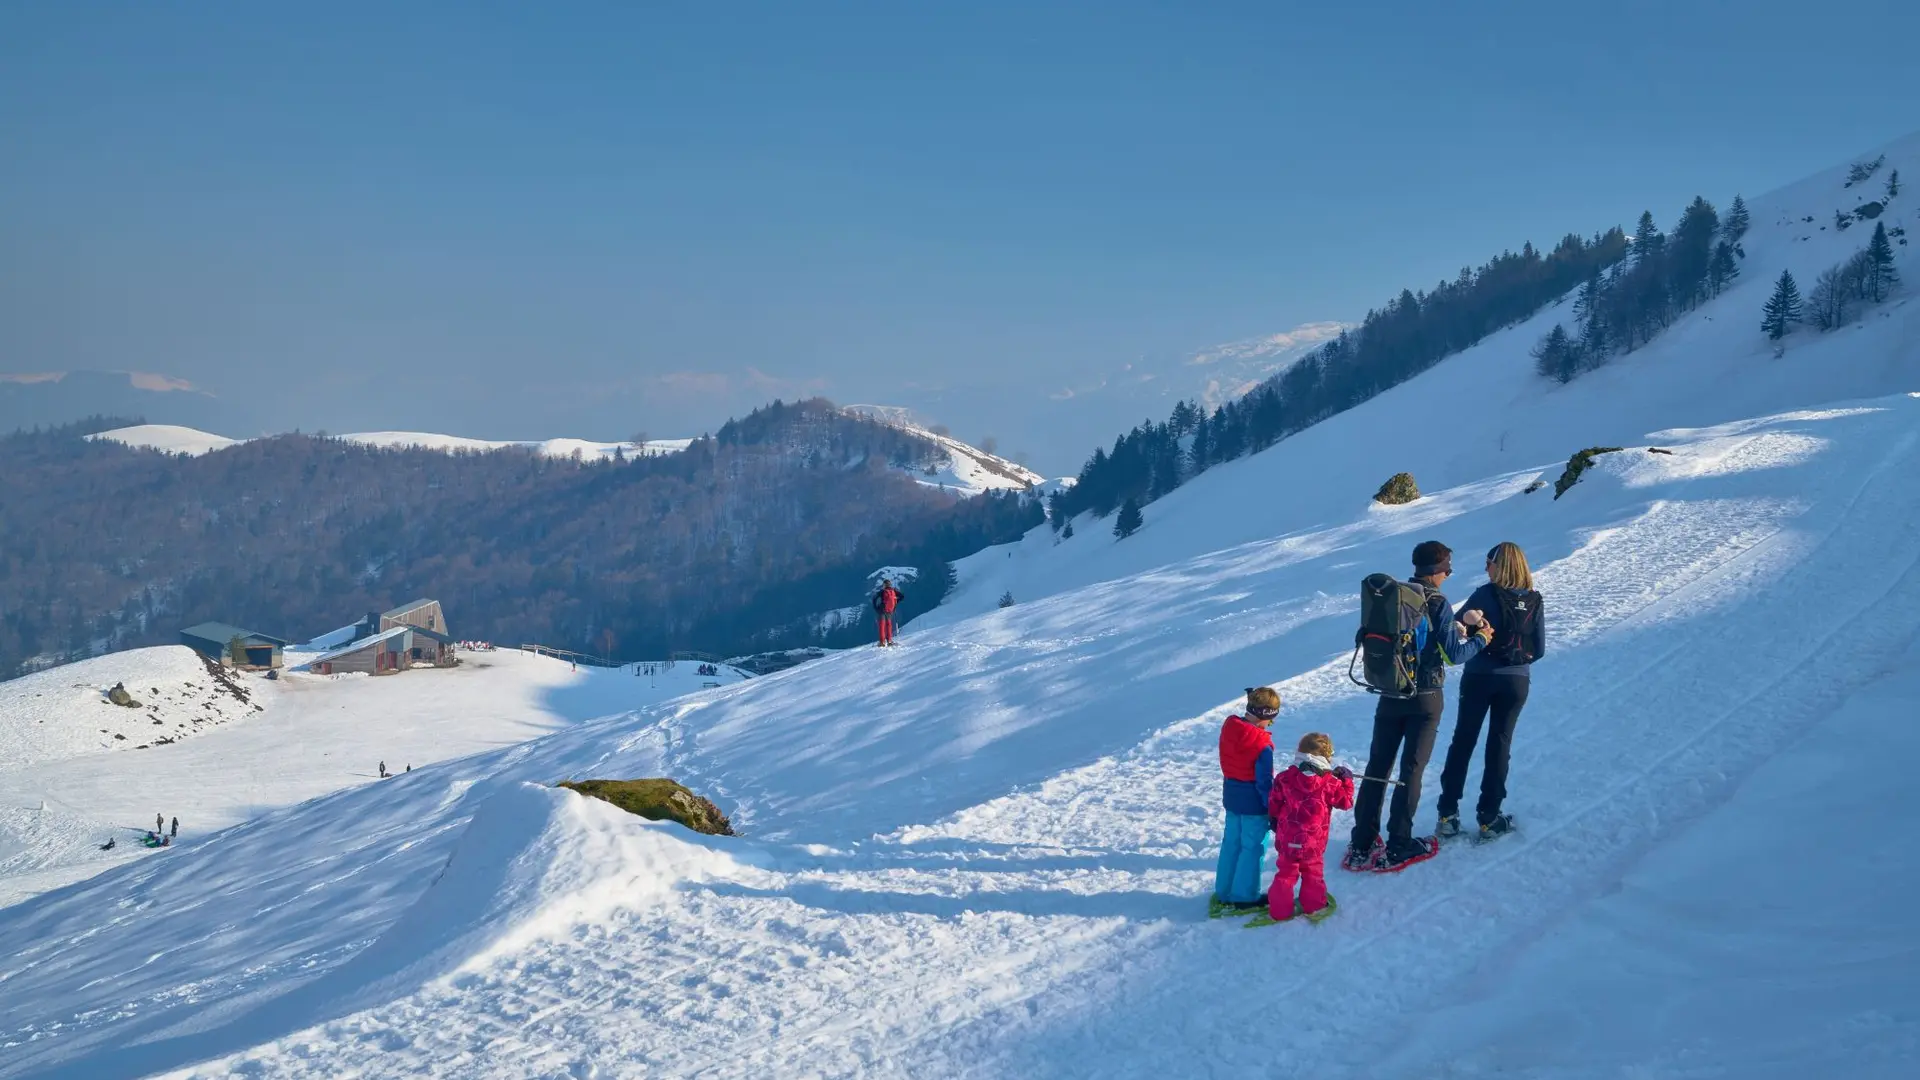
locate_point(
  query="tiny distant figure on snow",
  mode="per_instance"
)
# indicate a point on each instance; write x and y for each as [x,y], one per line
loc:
[159,823]
[166,841]
[409,766]
[383,770]
[884,603]
[176,827]
[109,845]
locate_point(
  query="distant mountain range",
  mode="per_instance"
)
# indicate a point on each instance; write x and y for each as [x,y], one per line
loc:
[1049,425]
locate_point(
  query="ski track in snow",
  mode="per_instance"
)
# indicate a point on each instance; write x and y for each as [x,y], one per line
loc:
[1028,929]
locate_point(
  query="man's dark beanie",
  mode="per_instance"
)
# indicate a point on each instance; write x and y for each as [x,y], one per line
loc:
[1432,557]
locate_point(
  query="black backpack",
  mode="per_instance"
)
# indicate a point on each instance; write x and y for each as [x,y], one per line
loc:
[1512,643]
[1393,631]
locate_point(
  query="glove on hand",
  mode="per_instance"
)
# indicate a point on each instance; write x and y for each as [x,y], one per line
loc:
[1343,772]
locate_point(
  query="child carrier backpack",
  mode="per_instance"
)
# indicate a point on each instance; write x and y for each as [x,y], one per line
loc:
[1513,645]
[1393,631]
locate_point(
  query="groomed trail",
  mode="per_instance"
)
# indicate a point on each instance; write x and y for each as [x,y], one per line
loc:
[987,852]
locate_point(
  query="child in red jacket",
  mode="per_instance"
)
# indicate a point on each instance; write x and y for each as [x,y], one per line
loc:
[1246,771]
[1302,803]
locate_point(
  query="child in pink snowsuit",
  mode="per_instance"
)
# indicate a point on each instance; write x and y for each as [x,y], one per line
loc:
[1304,797]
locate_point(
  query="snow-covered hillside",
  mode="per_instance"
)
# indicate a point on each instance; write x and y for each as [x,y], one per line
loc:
[558,448]
[964,470]
[169,438]
[64,711]
[1714,365]
[181,440]
[987,852]
[217,751]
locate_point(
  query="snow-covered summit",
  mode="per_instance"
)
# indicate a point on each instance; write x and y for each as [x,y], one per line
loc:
[964,469]
[168,438]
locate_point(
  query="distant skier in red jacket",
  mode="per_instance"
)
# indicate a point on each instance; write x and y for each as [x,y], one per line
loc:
[1302,804]
[884,601]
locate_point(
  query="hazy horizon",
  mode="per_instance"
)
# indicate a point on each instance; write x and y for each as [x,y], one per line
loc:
[514,223]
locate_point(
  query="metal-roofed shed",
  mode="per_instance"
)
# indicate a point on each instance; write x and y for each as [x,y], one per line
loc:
[214,640]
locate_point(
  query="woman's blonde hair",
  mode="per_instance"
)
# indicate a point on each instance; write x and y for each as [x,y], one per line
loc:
[1507,567]
[1313,742]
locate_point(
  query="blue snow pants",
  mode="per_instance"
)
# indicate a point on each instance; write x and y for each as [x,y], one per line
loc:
[1237,878]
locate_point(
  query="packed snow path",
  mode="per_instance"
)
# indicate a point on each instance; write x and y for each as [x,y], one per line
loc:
[987,853]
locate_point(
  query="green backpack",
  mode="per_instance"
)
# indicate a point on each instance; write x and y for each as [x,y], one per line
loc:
[1393,631]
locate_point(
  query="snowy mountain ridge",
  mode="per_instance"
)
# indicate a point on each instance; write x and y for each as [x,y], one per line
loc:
[965,470]
[173,439]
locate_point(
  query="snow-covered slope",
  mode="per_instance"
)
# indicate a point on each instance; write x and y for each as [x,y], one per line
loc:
[64,711]
[964,470]
[987,852]
[560,448]
[180,440]
[214,755]
[169,438]
[1713,365]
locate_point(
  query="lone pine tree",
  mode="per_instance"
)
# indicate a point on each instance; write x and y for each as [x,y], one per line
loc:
[1783,307]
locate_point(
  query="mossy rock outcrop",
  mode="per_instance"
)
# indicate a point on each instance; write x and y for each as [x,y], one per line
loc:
[1398,489]
[1578,464]
[657,799]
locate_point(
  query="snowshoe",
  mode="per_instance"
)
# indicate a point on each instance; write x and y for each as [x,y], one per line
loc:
[1265,916]
[1360,861]
[1449,827]
[1500,826]
[1423,848]
[1318,917]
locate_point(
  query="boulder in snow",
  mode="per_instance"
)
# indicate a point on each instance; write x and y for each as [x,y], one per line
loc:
[657,799]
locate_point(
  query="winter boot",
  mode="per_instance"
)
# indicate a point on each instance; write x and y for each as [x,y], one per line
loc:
[1499,826]
[1420,850]
[1449,826]
[1358,860]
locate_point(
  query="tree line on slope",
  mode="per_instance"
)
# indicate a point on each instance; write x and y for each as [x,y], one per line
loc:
[777,516]
[1410,334]
[1663,277]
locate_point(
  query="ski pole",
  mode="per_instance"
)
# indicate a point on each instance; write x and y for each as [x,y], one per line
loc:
[1380,780]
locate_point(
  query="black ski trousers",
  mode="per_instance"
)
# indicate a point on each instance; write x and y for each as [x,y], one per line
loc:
[1503,696]
[1403,728]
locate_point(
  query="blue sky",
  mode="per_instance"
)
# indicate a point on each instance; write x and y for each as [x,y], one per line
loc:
[588,219]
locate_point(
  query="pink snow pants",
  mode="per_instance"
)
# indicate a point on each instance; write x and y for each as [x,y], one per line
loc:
[1292,864]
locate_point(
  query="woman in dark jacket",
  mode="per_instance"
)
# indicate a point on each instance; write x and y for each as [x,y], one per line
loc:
[1494,682]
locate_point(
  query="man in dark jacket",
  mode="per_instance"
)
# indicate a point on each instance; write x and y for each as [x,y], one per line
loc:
[1404,728]
[884,603]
